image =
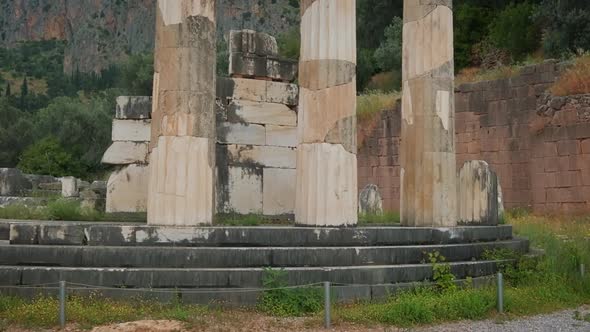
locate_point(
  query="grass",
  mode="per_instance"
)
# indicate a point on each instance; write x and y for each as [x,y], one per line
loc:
[90,311]
[575,80]
[373,102]
[387,218]
[56,209]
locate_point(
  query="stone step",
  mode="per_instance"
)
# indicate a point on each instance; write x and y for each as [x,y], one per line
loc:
[226,297]
[215,257]
[234,277]
[93,234]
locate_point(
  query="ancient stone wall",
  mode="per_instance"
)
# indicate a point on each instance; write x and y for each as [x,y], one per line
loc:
[538,146]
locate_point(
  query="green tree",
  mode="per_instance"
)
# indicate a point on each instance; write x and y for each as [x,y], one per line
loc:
[24,91]
[290,44]
[48,157]
[471,23]
[515,30]
[389,54]
[8,93]
[366,67]
[567,26]
[16,128]
[137,74]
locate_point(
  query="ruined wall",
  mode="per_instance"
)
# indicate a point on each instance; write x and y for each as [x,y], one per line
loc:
[538,146]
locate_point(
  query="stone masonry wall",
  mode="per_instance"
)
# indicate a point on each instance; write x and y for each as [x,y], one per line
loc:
[539,146]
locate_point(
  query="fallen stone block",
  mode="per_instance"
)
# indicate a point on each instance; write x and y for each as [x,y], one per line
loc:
[124,153]
[131,130]
[127,189]
[25,233]
[61,234]
[478,194]
[370,201]
[69,187]
[13,182]
[252,42]
[133,108]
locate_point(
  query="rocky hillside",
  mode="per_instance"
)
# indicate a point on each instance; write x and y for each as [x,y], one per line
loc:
[100,32]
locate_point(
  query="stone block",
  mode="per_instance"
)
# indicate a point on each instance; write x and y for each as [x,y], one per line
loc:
[478,194]
[258,91]
[281,136]
[133,108]
[127,189]
[25,233]
[262,66]
[252,42]
[586,146]
[126,152]
[279,191]
[241,133]
[266,156]
[69,187]
[370,201]
[131,130]
[13,182]
[243,191]
[261,113]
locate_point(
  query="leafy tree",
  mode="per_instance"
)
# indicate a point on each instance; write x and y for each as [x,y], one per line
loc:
[366,67]
[24,91]
[8,93]
[48,157]
[290,43]
[515,30]
[373,16]
[567,25]
[389,54]
[471,23]
[137,74]
[15,133]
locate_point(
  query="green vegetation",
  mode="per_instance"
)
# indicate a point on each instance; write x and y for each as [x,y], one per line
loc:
[372,102]
[90,311]
[290,302]
[575,80]
[56,209]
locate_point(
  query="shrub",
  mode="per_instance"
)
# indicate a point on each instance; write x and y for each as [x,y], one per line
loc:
[389,54]
[290,44]
[48,157]
[567,26]
[290,301]
[515,30]
[575,80]
[373,102]
[386,82]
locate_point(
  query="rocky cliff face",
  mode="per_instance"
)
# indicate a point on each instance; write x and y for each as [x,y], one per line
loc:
[101,32]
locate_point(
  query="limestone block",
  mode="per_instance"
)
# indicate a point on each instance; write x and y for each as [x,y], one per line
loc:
[326,186]
[281,136]
[181,181]
[52,186]
[370,201]
[13,182]
[124,153]
[131,130]
[478,194]
[99,187]
[38,180]
[261,113]
[279,191]
[69,187]
[133,108]
[92,200]
[257,91]
[262,66]
[127,189]
[244,191]
[267,156]
[250,41]
[241,133]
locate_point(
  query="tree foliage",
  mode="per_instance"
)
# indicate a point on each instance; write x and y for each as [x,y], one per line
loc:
[567,26]
[515,30]
[48,156]
[389,54]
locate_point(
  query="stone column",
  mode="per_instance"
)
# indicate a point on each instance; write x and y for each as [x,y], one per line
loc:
[182,161]
[428,174]
[326,193]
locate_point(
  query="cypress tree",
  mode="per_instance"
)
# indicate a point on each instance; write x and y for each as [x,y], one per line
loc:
[8,93]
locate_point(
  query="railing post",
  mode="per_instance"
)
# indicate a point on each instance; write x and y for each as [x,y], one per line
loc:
[327,316]
[500,293]
[62,304]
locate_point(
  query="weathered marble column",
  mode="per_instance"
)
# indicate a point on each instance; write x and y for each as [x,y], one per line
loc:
[326,193]
[182,161]
[428,174]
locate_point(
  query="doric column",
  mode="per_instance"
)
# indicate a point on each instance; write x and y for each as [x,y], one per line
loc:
[182,161]
[428,174]
[326,193]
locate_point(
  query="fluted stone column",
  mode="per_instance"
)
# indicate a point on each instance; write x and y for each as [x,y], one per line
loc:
[428,174]
[326,193]
[182,161]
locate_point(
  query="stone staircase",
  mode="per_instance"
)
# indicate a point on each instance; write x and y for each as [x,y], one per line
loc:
[227,264]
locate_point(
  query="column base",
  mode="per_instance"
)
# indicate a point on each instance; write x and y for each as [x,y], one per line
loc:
[326,186]
[181,187]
